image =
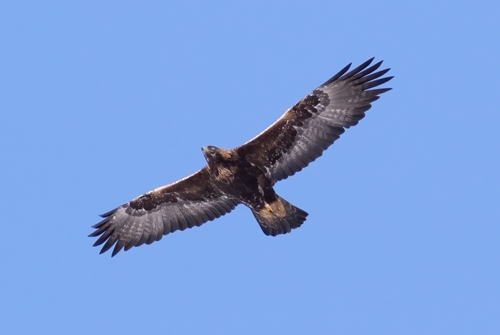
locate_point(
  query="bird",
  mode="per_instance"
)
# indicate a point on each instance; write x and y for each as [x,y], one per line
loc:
[247,174]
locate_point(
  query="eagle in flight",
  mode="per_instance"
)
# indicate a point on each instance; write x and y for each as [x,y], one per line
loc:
[246,174]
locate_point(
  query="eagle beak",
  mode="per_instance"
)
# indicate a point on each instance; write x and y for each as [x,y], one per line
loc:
[206,152]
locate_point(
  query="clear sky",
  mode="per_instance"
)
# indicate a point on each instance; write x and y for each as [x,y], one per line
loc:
[101,101]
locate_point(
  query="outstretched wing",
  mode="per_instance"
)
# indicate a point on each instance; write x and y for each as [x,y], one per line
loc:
[184,204]
[304,131]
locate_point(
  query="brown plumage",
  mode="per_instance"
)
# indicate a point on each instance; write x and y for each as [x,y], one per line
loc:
[246,175]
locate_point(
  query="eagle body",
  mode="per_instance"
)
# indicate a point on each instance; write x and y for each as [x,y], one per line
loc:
[238,178]
[247,174]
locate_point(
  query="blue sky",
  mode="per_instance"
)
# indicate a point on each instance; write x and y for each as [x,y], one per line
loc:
[104,100]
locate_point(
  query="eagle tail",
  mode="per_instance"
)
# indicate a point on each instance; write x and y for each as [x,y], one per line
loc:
[279,217]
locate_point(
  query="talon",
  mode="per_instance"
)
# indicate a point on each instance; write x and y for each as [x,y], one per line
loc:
[268,207]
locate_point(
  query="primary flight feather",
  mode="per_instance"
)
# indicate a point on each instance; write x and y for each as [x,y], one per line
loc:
[246,174]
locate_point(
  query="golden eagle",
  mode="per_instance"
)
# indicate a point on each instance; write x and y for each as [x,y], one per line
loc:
[246,175]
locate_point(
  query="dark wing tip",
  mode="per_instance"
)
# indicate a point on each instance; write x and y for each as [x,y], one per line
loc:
[361,67]
[379,91]
[342,74]
[105,230]
[388,78]
[105,215]
[118,247]
[337,75]
[366,77]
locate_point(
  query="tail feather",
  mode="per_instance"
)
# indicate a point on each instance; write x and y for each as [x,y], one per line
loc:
[279,217]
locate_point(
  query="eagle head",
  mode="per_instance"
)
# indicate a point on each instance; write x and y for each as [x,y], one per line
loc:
[214,154]
[210,152]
